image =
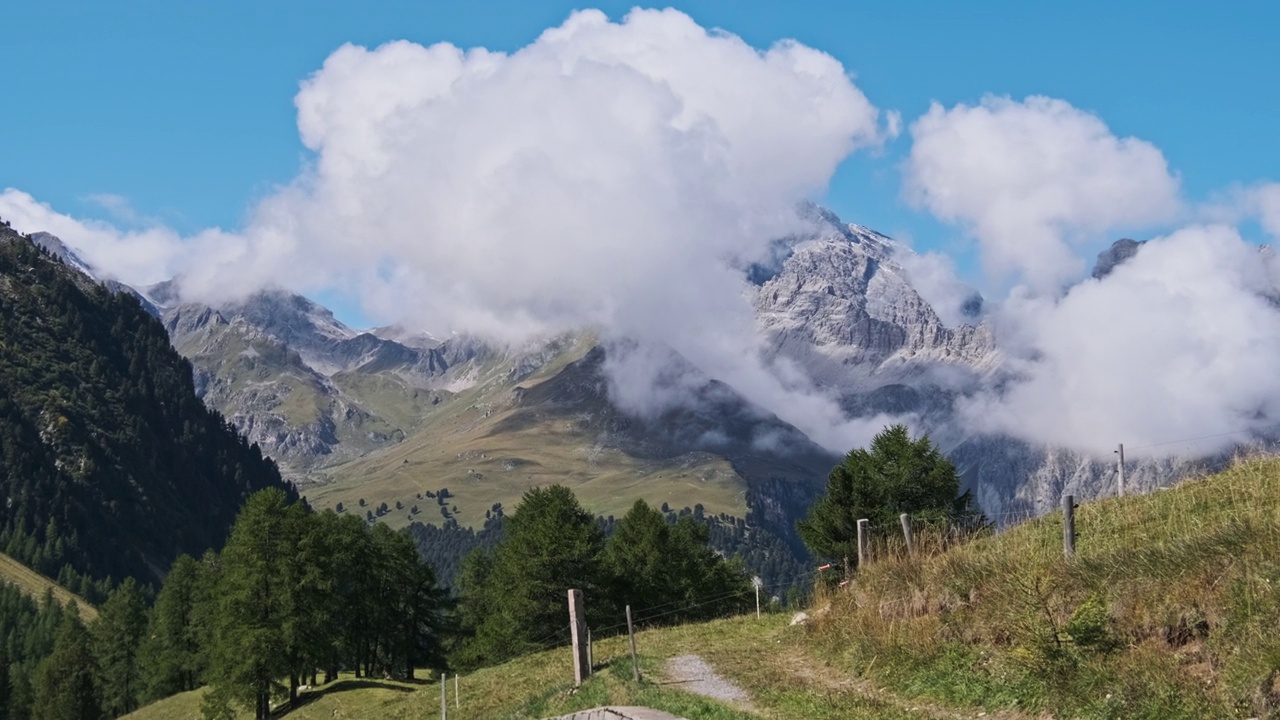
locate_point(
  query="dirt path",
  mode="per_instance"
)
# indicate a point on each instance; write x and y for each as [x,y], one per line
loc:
[693,674]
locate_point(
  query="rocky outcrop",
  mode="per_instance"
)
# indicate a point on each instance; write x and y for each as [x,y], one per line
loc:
[1120,251]
[841,307]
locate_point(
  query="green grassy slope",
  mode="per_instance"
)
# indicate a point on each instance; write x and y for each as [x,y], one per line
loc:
[1169,610]
[484,448]
[757,654]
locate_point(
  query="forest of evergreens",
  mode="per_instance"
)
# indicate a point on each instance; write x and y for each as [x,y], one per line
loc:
[110,465]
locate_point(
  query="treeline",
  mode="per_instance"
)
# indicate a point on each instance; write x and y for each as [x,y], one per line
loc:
[512,599]
[763,553]
[445,547]
[293,596]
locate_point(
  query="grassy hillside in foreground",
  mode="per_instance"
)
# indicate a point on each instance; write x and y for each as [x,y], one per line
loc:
[33,585]
[1169,610]
[762,655]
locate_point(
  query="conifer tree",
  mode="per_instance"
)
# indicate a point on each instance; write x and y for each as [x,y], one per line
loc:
[895,475]
[654,564]
[117,636]
[552,544]
[171,652]
[64,686]
[250,649]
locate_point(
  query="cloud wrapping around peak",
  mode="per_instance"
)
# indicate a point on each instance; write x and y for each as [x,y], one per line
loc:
[1032,180]
[1181,341]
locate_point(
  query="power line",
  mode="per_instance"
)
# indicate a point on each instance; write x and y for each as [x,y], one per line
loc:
[1207,437]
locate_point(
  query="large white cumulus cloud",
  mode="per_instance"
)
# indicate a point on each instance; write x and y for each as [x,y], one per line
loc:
[1033,180]
[608,174]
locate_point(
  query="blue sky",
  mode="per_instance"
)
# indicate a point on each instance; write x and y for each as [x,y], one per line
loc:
[186,109]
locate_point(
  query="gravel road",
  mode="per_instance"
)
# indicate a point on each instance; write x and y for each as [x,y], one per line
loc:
[693,674]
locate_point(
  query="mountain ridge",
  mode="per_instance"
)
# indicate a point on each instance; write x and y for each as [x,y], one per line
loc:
[110,464]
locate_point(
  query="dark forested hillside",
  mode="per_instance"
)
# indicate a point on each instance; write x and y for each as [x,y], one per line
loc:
[109,464]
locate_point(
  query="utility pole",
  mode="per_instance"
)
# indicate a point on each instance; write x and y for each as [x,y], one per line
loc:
[1120,452]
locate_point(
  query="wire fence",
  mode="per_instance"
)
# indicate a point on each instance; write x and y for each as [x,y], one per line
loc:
[1245,497]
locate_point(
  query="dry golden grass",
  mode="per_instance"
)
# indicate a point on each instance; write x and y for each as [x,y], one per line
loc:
[34,585]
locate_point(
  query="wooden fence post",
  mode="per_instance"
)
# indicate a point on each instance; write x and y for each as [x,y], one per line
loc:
[631,633]
[864,552]
[577,629]
[444,698]
[906,533]
[1120,477]
[1069,526]
[457,703]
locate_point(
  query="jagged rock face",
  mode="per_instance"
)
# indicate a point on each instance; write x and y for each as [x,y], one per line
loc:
[1014,481]
[841,308]
[54,246]
[1120,251]
[309,390]
[837,304]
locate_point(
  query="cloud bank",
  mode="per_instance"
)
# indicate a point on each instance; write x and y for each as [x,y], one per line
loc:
[1176,343]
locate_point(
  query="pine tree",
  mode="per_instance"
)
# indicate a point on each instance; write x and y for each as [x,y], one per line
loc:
[657,565]
[552,545]
[117,636]
[637,556]
[410,614]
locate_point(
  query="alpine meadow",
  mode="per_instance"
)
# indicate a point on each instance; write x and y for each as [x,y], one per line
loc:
[719,361]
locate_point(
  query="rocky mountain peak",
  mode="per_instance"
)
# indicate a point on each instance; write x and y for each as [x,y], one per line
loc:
[1120,251]
[54,246]
[843,308]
